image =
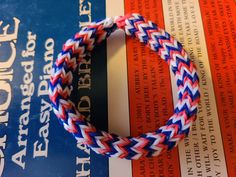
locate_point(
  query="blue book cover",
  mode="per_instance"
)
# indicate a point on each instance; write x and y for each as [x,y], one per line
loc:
[32,141]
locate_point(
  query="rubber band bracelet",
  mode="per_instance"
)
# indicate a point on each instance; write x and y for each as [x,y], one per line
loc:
[112,145]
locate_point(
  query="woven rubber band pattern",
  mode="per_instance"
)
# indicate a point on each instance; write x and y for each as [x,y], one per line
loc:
[145,145]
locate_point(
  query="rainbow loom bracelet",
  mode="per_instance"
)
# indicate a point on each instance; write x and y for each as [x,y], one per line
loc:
[112,145]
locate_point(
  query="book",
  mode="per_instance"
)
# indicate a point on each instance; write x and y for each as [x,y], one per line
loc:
[33,143]
[129,89]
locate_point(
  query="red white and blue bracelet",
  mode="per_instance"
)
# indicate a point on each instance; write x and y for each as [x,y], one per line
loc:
[112,145]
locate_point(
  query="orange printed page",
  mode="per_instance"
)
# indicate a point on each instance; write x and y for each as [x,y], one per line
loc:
[219,21]
[202,153]
[150,93]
